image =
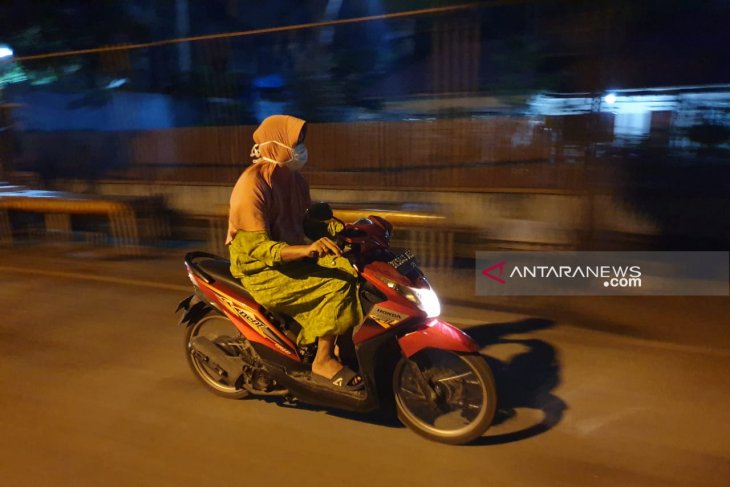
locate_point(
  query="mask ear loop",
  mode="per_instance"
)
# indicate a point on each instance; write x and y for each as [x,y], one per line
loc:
[255,152]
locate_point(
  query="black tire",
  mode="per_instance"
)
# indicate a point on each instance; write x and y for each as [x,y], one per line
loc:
[461,389]
[216,328]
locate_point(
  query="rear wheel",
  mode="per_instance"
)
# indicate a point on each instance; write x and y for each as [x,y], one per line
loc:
[219,330]
[445,396]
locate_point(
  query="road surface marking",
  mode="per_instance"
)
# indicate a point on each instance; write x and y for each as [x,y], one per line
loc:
[95,278]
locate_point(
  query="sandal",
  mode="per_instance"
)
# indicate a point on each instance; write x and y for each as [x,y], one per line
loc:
[341,381]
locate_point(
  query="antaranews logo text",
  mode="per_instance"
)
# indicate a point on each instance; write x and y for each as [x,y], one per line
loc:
[594,273]
[613,276]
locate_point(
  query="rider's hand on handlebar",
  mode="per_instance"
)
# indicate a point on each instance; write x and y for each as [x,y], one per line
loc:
[322,247]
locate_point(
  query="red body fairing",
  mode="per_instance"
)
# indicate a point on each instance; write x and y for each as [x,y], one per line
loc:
[437,334]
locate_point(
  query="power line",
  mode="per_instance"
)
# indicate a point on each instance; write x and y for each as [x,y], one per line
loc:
[253,32]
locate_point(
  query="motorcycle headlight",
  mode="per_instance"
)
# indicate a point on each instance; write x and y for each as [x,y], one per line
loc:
[425,299]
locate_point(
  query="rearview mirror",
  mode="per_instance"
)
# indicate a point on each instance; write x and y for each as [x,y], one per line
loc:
[320,211]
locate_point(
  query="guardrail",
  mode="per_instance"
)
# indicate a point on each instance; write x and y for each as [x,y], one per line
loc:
[123,213]
[133,227]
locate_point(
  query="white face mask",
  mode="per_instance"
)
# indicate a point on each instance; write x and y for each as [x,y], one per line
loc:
[297,160]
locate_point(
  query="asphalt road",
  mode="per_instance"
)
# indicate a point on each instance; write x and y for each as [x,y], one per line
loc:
[96,391]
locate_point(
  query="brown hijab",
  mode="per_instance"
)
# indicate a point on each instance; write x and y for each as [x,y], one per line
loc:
[276,132]
[268,196]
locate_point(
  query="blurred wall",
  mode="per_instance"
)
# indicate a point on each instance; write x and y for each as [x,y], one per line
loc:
[555,180]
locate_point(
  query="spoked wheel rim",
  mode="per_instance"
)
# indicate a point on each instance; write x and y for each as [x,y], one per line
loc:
[450,398]
[220,331]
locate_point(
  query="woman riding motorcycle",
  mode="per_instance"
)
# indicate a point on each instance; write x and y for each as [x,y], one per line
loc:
[270,254]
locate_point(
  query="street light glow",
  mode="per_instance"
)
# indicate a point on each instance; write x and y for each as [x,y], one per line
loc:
[610,99]
[6,52]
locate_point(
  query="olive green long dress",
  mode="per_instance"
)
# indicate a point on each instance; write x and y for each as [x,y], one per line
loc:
[321,296]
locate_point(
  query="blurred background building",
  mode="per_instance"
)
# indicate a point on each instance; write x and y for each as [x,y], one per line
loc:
[548,124]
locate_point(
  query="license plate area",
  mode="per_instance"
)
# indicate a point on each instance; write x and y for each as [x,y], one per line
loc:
[404,262]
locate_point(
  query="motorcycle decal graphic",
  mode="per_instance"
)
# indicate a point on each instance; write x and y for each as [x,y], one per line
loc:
[386,317]
[261,327]
[255,323]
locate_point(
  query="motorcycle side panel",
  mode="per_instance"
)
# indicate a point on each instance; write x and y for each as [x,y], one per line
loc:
[437,334]
[251,323]
[366,330]
[383,316]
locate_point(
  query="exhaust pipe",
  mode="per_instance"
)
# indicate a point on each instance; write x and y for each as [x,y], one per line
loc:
[228,368]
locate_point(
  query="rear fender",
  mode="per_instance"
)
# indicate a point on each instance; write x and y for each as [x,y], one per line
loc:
[193,310]
[438,334]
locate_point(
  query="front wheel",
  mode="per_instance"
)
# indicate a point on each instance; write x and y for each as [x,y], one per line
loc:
[445,396]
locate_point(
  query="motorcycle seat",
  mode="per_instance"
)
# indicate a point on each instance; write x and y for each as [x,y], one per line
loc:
[220,270]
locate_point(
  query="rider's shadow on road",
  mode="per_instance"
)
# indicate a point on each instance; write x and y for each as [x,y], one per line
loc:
[525,380]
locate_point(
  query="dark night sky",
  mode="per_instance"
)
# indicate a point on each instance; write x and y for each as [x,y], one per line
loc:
[565,45]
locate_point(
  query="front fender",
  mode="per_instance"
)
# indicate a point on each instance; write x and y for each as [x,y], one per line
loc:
[193,310]
[436,334]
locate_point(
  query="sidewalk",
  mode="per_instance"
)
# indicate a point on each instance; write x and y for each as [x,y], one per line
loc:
[702,321]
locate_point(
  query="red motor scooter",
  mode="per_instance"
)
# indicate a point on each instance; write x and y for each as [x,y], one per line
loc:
[442,388]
